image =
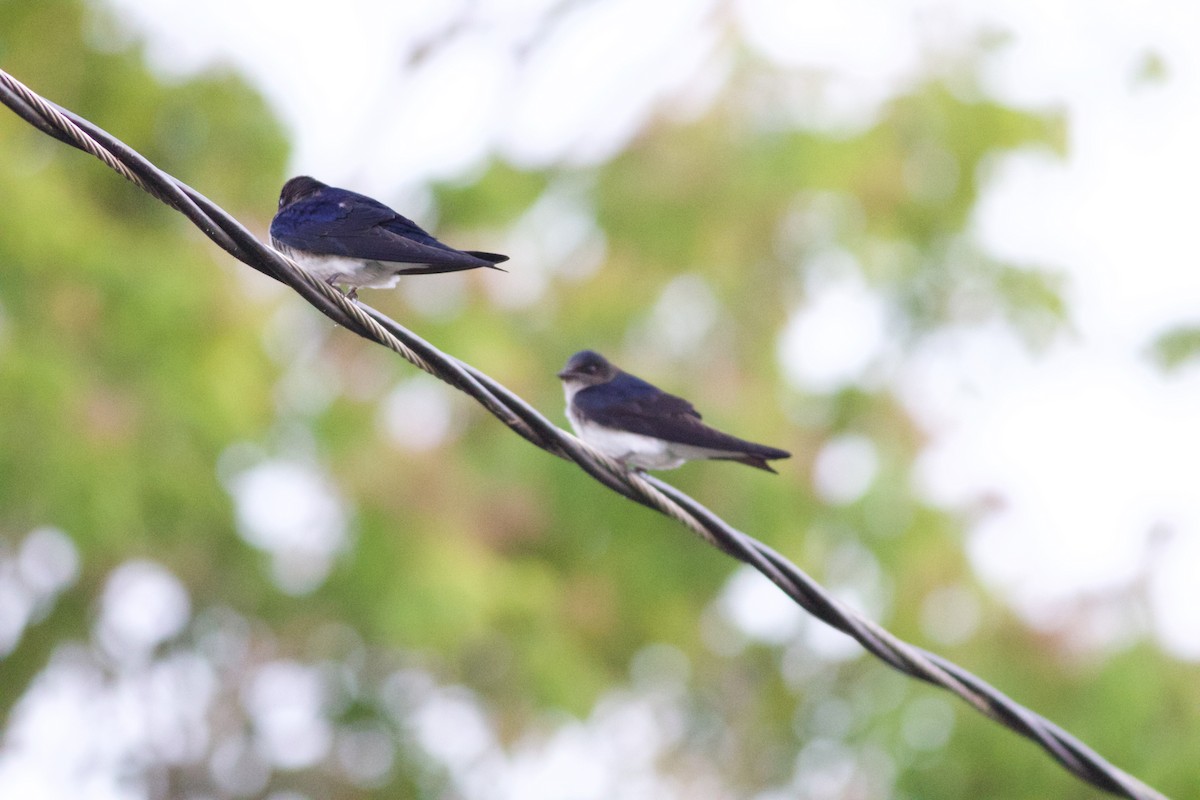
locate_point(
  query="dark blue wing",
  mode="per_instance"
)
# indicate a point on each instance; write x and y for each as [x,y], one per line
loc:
[631,404]
[337,222]
[630,397]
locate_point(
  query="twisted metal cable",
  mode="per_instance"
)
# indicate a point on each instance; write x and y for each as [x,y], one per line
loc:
[527,422]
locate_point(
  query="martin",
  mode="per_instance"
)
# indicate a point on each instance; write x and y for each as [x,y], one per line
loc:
[642,426]
[347,238]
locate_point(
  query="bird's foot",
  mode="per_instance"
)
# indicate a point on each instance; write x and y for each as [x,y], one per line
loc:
[350,294]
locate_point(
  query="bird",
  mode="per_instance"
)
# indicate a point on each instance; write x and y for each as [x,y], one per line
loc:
[643,427]
[343,237]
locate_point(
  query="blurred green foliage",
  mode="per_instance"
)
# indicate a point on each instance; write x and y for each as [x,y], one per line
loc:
[141,373]
[1177,347]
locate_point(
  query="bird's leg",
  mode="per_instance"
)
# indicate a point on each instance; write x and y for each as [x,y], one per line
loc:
[352,294]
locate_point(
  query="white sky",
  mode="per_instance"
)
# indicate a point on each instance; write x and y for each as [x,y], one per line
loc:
[1087,448]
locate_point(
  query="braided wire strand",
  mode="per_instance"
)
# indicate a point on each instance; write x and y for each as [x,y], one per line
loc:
[1076,757]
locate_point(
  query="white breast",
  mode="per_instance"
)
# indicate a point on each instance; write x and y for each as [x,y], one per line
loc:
[353,272]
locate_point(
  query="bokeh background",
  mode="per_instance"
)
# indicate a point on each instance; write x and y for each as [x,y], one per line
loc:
[941,251]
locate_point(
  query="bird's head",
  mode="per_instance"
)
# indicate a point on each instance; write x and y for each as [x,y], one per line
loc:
[587,368]
[299,188]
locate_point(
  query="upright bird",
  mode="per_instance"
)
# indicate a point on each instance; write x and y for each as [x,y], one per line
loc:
[347,238]
[642,426]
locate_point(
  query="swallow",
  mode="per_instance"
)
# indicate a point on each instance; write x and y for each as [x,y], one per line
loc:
[643,427]
[347,238]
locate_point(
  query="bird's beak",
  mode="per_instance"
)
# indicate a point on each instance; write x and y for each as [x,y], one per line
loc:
[563,374]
